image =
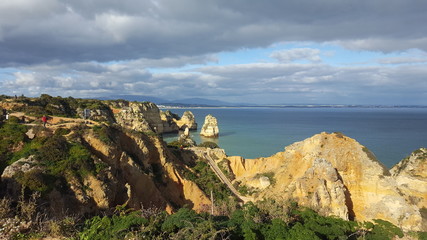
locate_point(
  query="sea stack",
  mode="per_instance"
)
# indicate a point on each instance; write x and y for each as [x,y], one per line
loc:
[210,127]
[187,120]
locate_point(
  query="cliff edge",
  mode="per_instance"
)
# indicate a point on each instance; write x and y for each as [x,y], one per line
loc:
[333,174]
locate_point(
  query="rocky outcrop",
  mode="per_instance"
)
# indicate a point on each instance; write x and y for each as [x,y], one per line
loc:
[185,138]
[411,177]
[210,127]
[133,169]
[168,118]
[369,190]
[148,172]
[187,120]
[146,116]
[321,189]
[100,115]
[140,117]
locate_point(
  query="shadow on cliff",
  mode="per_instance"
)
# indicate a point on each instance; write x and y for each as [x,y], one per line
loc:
[154,182]
[348,200]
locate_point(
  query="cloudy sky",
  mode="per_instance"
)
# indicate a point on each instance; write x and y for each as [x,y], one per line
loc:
[276,51]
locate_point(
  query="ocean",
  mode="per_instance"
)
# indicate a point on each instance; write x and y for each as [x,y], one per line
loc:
[390,133]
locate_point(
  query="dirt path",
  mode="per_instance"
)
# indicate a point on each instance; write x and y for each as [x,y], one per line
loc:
[55,122]
[224,179]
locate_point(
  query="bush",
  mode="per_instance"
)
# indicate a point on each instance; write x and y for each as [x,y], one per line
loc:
[383,230]
[115,227]
[12,139]
[178,144]
[104,134]
[208,144]
[183,218]
[62,131]
[207,180]
[36,180]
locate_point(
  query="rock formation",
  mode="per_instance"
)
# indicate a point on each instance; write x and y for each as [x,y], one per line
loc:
[169,124]
[335,175]
[136,170]
[185,138]
[411,177]
[210,127]
[141,117]
[187,120]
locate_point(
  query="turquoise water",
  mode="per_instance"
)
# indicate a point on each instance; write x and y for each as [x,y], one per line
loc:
[390,133]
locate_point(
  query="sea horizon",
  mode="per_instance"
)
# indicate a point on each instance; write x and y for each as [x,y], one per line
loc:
[390,133]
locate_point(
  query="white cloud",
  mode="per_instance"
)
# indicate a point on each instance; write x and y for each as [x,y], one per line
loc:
[89,48]
[296,54]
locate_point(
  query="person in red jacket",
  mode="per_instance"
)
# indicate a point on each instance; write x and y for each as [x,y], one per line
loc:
[44,120]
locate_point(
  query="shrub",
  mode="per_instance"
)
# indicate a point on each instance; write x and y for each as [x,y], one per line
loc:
[183,218]
[36,180]
[62,131]
[207,180]
[104,133]
[12,139]
[115,227]
[269,175]
[178,144]
[383,230]
[208,144]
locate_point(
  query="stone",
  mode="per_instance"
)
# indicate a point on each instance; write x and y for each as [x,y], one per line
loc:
[187,120]
[411,177]
[30,133]
[210,127]
[361,186]
[141,117]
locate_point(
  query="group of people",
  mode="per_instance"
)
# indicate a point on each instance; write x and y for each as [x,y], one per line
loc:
[5,116]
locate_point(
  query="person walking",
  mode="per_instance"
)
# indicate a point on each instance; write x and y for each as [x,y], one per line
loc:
[44,120]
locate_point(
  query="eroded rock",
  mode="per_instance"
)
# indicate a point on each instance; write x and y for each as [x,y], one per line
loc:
[210,127]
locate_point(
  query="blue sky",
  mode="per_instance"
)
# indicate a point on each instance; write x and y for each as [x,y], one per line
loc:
[275,52]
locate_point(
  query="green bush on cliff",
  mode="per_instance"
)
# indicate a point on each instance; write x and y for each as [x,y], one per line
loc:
[36,180]
[103,133]
[250,221]
[12,139]
[208,144]
[115,227]
[61,157]
[205,178]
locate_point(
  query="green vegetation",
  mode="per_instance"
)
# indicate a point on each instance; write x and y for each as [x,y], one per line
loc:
[115,227]
[57,106]
[61,158]
[209,144]
[224,166]
[12,139]
[205,178]
[248,222]
[178,144]
[269,175]
[103,133]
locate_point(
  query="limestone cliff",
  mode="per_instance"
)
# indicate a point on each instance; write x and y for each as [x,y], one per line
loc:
[132,168]
[210,127]
[140,117]
[187,120]
[411,177]
[347,179]
[168,118]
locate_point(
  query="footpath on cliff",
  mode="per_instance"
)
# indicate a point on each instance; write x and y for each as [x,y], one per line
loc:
[224,179]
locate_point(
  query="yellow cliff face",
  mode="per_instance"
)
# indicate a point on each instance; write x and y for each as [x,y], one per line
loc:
[148,174]
[411,178]
[363,189]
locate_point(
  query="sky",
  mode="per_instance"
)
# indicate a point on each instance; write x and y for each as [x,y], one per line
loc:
[239,51]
